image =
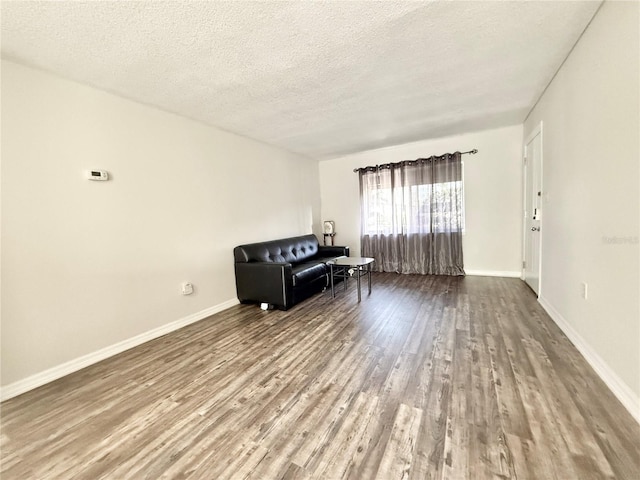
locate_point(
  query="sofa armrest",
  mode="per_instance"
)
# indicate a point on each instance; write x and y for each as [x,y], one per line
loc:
[333,251]
[264,282]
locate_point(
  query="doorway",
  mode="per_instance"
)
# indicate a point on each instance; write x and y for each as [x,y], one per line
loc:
[533,209]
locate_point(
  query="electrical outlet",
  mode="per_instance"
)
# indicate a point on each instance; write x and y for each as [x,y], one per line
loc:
[585,290]
[187,288]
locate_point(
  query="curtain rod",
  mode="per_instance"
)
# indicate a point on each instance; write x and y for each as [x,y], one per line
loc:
[470,152]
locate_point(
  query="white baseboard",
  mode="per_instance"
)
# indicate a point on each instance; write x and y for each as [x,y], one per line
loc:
[627,397]
[493,273]
[59,371]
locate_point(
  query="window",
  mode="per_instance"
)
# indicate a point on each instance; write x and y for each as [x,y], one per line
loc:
[449,196]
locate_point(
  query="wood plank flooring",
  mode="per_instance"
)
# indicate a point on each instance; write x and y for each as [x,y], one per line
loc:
[427,378]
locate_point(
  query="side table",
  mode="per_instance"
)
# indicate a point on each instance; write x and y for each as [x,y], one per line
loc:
[339,268]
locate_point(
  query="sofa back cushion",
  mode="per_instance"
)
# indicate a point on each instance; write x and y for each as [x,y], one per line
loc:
[293,250]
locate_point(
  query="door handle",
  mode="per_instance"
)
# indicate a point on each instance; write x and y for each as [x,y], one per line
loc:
[535,229]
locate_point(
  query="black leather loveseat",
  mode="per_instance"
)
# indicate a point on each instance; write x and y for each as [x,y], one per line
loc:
[283,272]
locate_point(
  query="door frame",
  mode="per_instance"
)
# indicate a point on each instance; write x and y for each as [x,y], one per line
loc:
[537,130]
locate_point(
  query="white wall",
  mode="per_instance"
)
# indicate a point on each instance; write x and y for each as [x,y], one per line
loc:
[591,202]
[492,188]
[86,265]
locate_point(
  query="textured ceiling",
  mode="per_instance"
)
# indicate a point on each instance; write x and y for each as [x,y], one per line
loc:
[318,78]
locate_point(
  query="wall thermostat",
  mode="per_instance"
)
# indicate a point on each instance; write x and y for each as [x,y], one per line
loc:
[100,175]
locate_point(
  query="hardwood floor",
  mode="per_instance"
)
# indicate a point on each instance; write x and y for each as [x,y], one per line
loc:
[427,378]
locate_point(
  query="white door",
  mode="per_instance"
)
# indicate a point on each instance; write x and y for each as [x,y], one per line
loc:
[533,209]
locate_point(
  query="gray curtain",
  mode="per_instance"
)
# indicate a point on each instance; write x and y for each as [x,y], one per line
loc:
[412,215]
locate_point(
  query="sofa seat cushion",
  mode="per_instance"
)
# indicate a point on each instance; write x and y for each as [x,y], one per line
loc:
[304,273]
[325,259]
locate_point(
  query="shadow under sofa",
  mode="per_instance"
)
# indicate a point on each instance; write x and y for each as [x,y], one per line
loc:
[283,272]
